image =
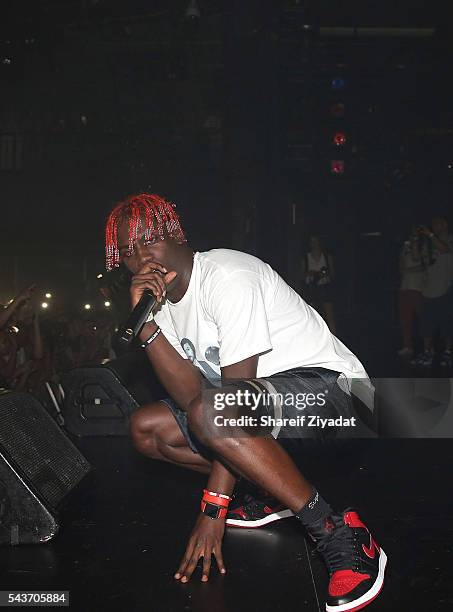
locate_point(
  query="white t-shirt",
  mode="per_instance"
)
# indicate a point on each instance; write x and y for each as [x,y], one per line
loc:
[237,306]
[439,275]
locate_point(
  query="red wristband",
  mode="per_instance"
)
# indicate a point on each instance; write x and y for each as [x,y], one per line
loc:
[215,505]
[220,499]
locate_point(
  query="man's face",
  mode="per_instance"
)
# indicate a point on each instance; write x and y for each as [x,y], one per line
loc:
[153,250]
[189,352]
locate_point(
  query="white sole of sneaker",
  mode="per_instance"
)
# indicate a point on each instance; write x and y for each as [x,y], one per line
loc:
[368,597]
[270,518]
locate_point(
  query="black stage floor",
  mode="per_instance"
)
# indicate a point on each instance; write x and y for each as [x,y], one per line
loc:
[124,530]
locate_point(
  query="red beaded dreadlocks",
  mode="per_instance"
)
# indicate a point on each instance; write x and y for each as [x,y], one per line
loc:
[158,215]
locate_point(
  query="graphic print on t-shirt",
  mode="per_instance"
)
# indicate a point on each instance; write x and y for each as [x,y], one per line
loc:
[211,353]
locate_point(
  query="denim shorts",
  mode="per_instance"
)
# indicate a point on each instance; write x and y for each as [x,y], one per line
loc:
[287,393]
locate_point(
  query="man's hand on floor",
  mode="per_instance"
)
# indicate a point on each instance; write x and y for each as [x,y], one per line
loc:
[205,540]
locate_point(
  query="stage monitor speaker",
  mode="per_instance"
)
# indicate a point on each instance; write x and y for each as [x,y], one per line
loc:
[99,399]
[39,466]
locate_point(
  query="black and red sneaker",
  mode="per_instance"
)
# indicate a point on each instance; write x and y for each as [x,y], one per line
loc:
[356,564]
[253,512]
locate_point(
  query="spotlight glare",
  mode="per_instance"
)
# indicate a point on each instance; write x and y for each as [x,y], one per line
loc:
[99,276]
[87,306]
[107,304]
[48,296]
[44,305]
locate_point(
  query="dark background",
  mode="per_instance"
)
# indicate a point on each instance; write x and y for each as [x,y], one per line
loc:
[230,116]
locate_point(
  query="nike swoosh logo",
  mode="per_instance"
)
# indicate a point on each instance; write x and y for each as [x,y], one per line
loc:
[371,551]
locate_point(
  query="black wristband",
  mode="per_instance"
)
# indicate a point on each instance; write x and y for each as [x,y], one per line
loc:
[151,338]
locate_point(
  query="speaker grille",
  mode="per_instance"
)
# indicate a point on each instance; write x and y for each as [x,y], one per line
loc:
[38,448]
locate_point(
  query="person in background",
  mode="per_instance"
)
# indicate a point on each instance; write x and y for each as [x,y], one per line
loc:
[15,370]
[13,308]
[22,347]
[412,271]
[437,291]
[318,275]
[58,341]
[32,354]
[105,325]
[80,341]
[8,356]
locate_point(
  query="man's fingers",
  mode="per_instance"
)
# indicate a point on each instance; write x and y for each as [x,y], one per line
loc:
[157,287]
[155,290]
[219,558]
[189,555]
[150,266]
[151,281]
[149,284]
[170,276]
[206,565]
[149,278]
[181,568]
[190,567]
[183,564]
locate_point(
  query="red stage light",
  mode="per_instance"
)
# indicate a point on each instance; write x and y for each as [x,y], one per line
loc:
[339,139]
[337,166]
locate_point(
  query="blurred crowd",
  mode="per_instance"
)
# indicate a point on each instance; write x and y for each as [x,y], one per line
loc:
[425,291]
[37,347]
[426,294]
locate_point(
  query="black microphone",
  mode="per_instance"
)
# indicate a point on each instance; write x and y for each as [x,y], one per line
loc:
[137,318]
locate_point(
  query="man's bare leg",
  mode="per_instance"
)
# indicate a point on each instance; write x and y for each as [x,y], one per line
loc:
[260,460]
[156,434]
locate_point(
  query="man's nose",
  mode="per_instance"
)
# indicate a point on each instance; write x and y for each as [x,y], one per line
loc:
[142,254]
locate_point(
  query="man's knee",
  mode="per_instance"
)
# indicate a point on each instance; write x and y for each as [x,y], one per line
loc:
[196,421]
[200,418]
[144,426]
